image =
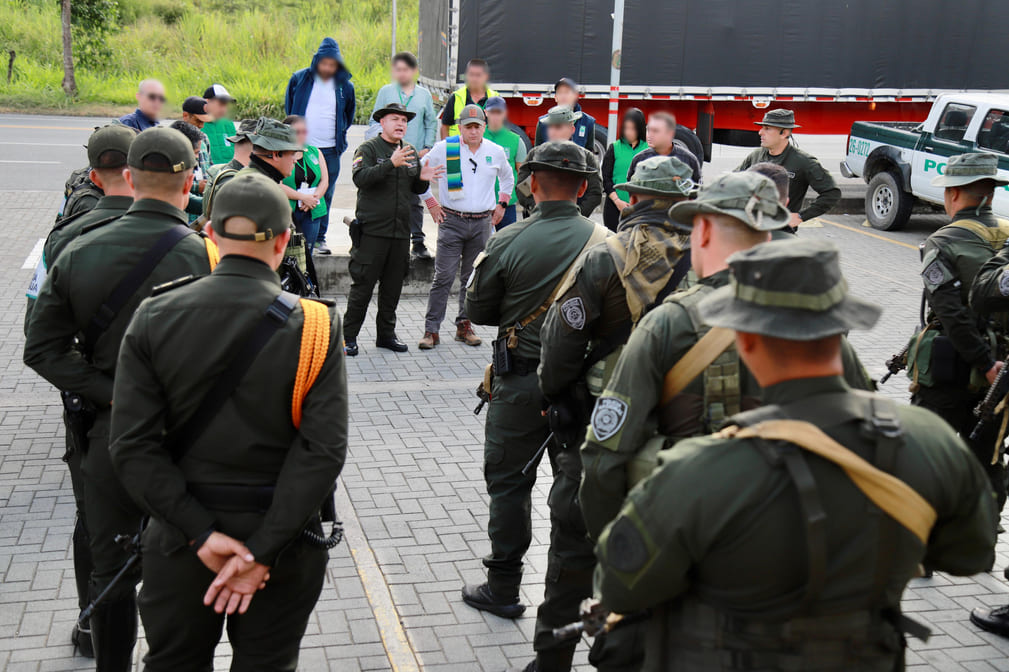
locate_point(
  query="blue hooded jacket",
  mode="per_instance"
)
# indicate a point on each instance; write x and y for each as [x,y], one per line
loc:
[299,89]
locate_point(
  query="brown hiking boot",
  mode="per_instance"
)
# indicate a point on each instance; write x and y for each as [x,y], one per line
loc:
[464,333]
[430,340]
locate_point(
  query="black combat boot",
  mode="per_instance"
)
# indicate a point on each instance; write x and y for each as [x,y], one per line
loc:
[80,636]
[480,597]
[114,633]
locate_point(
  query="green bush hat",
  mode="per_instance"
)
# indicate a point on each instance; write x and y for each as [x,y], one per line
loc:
[471,114]
[561,155]
[749,197]
[254,196]
[274,136]
[779,119]
[109,146]
[161,150]
[393,108]
[661,176]
[965,169]
[790,289]
[245,129]
[559,115]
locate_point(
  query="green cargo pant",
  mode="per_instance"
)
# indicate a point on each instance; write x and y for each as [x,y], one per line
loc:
[182,633]
[376,260]
[515,430]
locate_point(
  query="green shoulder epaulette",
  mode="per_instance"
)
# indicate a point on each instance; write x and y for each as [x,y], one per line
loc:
[174,284]
[100,223]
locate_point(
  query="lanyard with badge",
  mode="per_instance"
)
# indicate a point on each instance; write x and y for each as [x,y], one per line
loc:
[406,103]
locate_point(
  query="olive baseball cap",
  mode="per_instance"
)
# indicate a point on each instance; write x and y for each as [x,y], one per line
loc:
[274,136]
[779,118]
[789,289]
[471,114]
[560,114]
[964,169]
[661,176]
[749,197]
[109,146]
[256,197]
[393,108]
[161,150]
[561,155]
[245,129]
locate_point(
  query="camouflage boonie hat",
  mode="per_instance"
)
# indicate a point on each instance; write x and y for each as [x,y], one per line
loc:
[792,290]
[245,129]
[560,114]
[779,118]
[749,197]
[965,169]
[109,146]
[161,150]
[661,176]
[561,155]
[471,114]
[256,197]
[274,136]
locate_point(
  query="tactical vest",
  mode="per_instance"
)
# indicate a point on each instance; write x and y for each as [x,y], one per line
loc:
[693,634]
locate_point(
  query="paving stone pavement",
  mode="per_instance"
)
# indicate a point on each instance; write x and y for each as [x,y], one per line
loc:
[414,479]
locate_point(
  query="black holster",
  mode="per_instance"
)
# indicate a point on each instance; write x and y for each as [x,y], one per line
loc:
[79,418]
[568,415]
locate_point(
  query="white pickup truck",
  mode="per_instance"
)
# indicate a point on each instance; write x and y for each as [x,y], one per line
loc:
[899,159]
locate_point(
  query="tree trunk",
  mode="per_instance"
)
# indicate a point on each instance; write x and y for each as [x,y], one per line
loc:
[69,81]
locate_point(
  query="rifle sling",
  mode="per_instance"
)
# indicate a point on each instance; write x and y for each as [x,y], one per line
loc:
[698,358]
[213,401]
[129,285]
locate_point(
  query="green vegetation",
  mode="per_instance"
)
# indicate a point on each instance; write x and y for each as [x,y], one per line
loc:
[250,46]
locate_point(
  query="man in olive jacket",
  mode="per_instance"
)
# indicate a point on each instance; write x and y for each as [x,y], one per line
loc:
[388,176]
[235,490]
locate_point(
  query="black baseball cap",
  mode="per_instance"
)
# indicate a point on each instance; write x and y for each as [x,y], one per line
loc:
[197,107]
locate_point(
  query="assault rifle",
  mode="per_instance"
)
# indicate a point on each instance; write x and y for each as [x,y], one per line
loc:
[596,620]
[896,363]
[985,410]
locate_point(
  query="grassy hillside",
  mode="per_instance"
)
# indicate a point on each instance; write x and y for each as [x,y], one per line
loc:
[250,46]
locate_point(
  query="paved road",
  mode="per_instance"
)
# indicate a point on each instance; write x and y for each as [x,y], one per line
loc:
[412,494]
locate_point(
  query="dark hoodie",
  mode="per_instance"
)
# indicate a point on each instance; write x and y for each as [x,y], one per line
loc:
[299,89]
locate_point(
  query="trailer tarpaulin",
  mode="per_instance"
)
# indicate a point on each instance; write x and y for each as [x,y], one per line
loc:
[433,39]
[831,44]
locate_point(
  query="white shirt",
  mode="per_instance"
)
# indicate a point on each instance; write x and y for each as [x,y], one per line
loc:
[479,172]
[320,114]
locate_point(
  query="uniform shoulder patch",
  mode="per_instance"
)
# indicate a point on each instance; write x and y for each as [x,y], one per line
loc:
[573,313]
[936,274]
[174,284]
[626,550]
[608,417]
[1003,282]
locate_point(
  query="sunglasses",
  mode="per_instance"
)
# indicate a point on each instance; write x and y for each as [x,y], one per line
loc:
[156,96]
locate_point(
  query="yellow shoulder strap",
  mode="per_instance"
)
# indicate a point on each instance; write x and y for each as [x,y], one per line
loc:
[314,349]
[213,254]
[696,359]
[895,497]
[995,236]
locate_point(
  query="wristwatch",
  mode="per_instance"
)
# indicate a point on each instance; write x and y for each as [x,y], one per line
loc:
[503,204]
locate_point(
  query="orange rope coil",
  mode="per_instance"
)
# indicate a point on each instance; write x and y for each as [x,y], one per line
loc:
[314,348]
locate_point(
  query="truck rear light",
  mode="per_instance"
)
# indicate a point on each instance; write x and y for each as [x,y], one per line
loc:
[532,99]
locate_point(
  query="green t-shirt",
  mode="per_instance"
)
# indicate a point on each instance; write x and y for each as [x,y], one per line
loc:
[623,154]
[515,150]
[307,173]
[218,133]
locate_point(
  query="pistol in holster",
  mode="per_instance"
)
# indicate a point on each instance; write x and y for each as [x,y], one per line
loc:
[79,418]
[483,390]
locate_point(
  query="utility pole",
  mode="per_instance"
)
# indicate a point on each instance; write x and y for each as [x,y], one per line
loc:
[613,124]
[393,29]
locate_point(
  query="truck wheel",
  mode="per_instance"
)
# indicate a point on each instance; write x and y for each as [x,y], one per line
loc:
[521,133]
[600,143]
[690,139]
[887,205]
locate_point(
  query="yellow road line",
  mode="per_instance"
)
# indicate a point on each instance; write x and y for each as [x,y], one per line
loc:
[401,655]
[48,128]
[870,234]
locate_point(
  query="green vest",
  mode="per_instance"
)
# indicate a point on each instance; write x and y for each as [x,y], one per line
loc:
[623,154]
[509,141]
[459,102]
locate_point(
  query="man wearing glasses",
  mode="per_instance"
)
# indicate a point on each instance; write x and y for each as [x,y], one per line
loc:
[465,209]
[150,100]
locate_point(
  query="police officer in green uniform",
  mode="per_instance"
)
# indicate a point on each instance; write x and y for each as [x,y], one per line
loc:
[733,213]
[388,177]
[804,171]
[513,283]
[247,478]
[609,289]
[953,360]
[753,548]
[107,150]
[73,340]
[560,122]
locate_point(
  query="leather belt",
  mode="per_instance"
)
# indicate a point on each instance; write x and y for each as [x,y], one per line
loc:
[233,498]
[468,215]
